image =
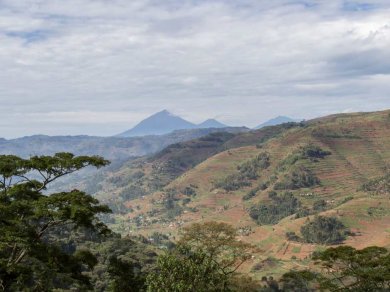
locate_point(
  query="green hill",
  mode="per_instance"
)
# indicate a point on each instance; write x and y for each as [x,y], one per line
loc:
[267,183]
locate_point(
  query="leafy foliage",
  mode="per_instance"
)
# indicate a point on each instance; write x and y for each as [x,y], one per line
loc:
[189,191]
[252,193]
[171,205]
[251,168]
[348,269]
[319,205]
[279,208]
[206,259]
[344,268]
[324,230]
[29,255]
[309,152]
[233,182]
[122,263]
[219,241]
[341,133]
[298,281]
[300,177]
[379,186]
[292,236]
[246,172]
[183,270]
[313,152]
[124,276]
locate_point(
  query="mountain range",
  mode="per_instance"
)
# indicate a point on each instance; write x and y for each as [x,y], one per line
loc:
[112,148]
[149,136]
[165,122]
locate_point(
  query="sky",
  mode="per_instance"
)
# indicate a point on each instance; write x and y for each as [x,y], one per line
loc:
[97,67]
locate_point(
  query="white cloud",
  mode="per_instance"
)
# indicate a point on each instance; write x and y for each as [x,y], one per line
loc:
[243,61]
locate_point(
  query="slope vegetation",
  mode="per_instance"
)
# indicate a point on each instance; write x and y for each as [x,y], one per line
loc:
[282,178]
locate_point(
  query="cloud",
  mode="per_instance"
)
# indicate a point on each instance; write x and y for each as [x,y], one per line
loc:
[243,61]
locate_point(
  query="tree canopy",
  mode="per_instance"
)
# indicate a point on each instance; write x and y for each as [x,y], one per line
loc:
[30,256]
[207,259]
[343,268]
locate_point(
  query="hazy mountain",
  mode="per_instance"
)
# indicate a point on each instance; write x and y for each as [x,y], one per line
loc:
[276,121]
[112,148]
[165,122]
[158,124]
[211,123]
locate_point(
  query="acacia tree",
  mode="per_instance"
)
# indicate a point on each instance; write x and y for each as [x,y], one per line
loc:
[219,241]
[30,221]
[207,259]
[344,268]
[348,269]
[183,270]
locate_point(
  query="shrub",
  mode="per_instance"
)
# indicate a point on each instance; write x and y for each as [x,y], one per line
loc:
[313,152]
[345,200]
[132,192]
[319,205]
[303,212]
[246,172]
[233,182]
[263,186]
[189,191]
[279,208]
[272,194]
[324,230]
[292,236]
[301,177]
[379,186]
[310,151]
[174,212]
[250,194]
[186,201]
[335,134]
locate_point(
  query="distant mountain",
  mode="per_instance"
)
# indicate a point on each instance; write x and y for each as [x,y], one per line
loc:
[276,121]
[112,148]
[165,122]
[211,123]
[158,124]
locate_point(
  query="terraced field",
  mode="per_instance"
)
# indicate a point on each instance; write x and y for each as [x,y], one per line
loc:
[360,151]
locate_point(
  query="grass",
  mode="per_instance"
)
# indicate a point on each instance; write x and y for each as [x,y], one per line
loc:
[296,249]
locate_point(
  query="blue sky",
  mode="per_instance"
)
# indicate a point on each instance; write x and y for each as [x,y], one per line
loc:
[97,67]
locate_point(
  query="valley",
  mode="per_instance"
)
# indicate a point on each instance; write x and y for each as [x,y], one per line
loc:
[323,164]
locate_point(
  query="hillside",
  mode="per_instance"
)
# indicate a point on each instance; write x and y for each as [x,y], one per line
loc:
[147,174]
[332,166]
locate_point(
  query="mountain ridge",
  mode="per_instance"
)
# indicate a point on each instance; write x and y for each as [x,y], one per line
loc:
[165,122]
[211,123]
[276,121]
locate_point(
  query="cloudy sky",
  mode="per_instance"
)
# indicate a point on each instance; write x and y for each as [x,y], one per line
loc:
[98,66]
